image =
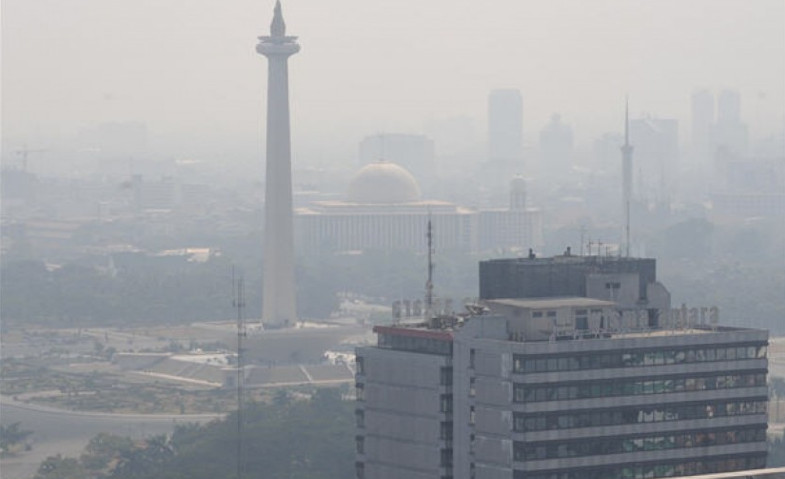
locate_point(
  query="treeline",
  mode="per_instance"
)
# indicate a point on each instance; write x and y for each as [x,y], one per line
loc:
[311,439]
[83,294]
[137,289]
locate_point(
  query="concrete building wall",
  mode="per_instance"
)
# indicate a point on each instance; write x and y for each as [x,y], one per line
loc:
[403,407]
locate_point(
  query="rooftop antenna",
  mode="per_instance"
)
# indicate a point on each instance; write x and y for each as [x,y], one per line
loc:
[238,302]
[429,283]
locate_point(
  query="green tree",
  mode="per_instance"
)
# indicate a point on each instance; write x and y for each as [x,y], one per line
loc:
[12,435]
[59,467]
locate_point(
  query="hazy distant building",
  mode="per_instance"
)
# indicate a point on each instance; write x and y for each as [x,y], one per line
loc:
[702,121]
[505,127]
[563,387]
[160,194]
[514,228]
[413,152]
[556,145]
[750,188]
[384,209]
[729,132]
[278,296]
[656,143]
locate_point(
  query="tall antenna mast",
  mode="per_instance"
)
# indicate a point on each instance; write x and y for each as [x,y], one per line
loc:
[238,302]
[429,283]
[626,173]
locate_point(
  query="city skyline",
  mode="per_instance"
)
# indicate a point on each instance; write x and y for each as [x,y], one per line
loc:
[110,69]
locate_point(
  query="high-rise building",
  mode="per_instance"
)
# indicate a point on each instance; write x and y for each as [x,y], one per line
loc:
[505,127]
[702,120]
[563,387]
[556,147]
[278,298]
[656,143]
[729,133]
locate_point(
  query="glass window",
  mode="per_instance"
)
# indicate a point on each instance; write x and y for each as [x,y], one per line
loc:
[541,394]
[700,355]
[711,354]
[730,353]
[562,364]
[517,363]
[553,364]
[360,364]
[680,356]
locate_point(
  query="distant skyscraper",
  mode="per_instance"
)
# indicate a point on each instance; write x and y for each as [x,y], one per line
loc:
[729,107]
[702,119]
[505,127]
[556,146]
[729,133]
[656,143]
[278,288]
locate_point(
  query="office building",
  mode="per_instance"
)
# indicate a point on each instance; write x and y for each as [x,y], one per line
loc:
[505,126]
[702,120]
[563,387]
[556,145]
[729,133]
[656,143]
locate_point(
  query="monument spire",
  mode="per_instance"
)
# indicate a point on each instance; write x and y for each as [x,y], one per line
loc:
[278,26]
[278,291]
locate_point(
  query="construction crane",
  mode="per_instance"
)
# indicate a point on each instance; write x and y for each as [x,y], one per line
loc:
[24,152]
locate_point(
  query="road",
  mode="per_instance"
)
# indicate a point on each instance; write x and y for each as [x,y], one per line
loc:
[59,431]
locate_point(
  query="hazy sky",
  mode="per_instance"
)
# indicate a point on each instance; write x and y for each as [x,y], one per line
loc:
[188,68]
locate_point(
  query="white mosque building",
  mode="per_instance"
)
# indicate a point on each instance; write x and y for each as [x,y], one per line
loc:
[384,209]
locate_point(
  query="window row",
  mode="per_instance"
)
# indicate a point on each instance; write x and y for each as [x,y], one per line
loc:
[656,470]
[527,451]
[637,415]
[634,387]
[416,344]
[660,357]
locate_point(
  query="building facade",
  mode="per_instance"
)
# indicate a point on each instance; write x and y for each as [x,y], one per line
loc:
[384,209]
[562,387]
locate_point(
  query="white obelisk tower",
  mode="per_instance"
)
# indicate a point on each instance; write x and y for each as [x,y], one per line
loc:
[279,308]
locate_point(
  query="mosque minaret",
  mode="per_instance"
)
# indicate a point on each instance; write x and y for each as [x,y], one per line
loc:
[278,290]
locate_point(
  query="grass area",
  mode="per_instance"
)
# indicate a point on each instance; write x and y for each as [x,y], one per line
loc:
[113,392]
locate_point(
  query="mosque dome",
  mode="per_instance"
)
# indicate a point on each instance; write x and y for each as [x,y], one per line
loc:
[383,183]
